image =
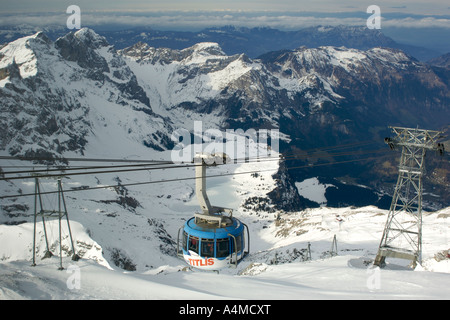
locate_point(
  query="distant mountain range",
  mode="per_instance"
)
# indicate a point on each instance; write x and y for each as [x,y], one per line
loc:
[57,97]
[257,41]
[234,40]
[441,61]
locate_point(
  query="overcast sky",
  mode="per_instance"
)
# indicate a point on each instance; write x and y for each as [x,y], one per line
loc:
[198,14]
[410,6]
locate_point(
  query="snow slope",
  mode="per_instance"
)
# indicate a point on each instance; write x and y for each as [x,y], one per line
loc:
[313,190]
[341,277]
[277,267]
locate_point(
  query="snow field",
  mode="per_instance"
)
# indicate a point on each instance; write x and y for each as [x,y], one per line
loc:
[346,276]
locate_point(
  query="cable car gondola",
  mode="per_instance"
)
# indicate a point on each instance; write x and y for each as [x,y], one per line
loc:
[213,239]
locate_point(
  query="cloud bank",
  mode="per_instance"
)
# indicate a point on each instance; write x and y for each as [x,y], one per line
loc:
[202,19]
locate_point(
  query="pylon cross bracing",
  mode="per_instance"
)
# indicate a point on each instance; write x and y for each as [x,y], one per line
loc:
[60,213]
[402,235]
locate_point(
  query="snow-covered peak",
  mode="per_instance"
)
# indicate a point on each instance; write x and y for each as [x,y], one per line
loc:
[21,54]
[196,54]
[212,48]
[139,51]
[91,38]
[342,57]
[303,61]
[202,51]
[329,55]
[390,55]
[86,48]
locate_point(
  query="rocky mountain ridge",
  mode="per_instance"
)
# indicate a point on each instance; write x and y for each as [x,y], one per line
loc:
[58,96]
[236,40]
[260,40]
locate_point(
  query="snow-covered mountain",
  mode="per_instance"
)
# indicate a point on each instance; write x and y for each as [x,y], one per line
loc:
[286,83]
[233,90]
[322,96]
[260,40]
[441,61]
[58,96]
[80,97]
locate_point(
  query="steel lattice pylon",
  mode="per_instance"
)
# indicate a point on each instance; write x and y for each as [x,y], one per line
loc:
[51,214]
[402,235]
